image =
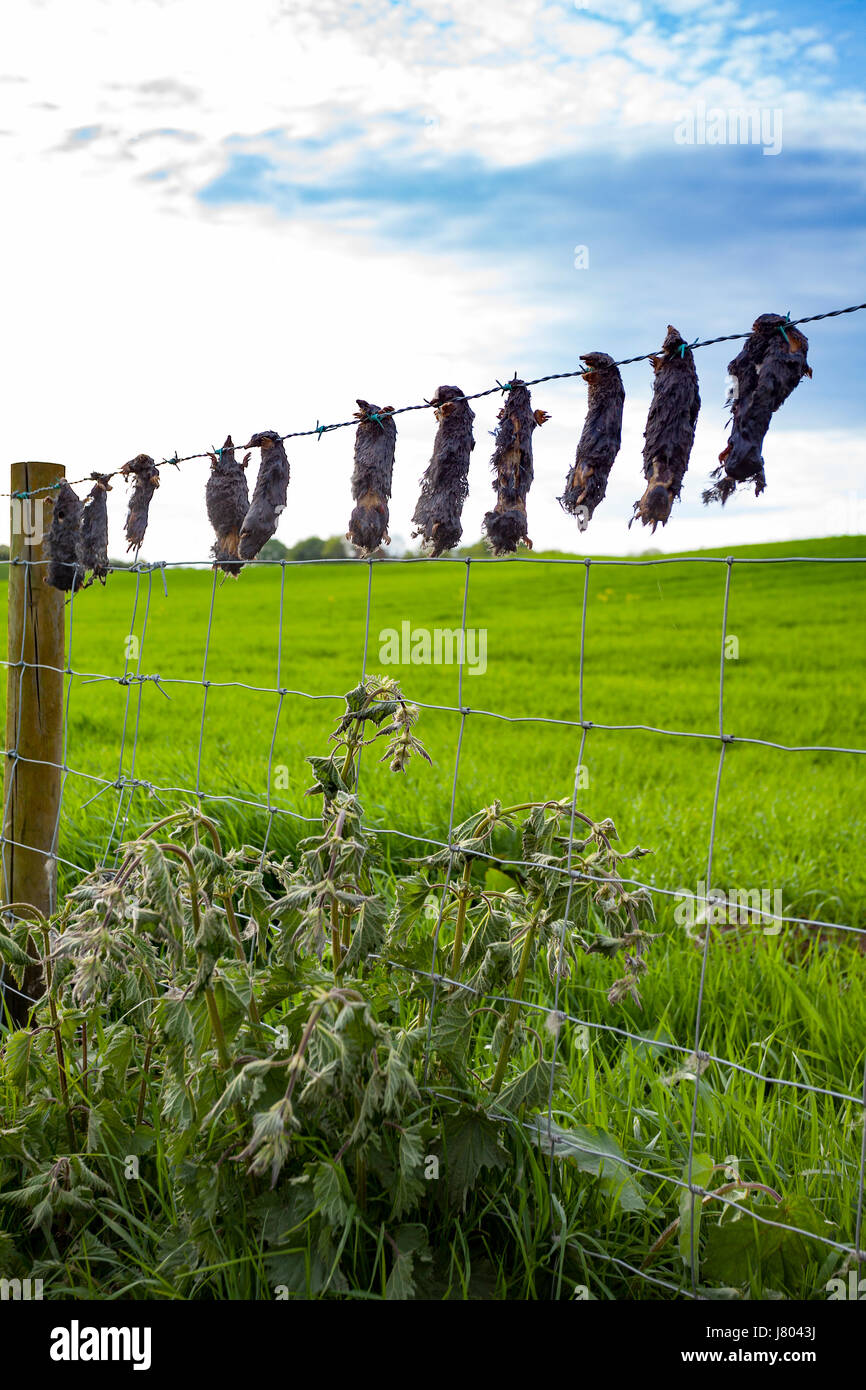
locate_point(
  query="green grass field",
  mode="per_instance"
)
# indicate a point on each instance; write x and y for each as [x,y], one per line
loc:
[790,1006]
[787,820]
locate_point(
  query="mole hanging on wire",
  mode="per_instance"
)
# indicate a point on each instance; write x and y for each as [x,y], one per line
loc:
[763,375]
[599,441]
[227,498]
[375,445]
[64,570]
[93,533]
[505,526]
[269,495]
[145,480]
[444,486]
[670,429]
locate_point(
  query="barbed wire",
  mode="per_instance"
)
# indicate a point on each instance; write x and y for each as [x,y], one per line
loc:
[499,388]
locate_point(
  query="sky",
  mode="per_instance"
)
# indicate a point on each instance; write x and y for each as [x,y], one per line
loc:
[223,219]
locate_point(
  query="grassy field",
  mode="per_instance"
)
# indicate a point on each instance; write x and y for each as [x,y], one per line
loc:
[787,820]
[791,1006]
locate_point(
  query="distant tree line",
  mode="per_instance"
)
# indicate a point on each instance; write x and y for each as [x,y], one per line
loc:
[313,548]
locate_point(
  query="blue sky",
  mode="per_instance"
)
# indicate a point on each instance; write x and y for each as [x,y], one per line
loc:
[407,185]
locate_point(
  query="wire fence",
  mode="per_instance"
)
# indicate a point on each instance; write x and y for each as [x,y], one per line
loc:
[129,782]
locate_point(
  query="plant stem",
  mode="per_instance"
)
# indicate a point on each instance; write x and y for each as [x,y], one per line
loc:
[335,906]
[217,1028]
[142,1091]
[462,904]
[335,935]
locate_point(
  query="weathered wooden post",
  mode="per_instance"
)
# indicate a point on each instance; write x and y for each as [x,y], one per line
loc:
[34,711]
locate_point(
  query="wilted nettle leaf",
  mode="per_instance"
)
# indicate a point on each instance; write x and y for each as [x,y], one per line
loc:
[269,1147]
[157,886]
[558,963]
[245,1088]
[12,953]
[495,967]
[368,929]
[213,934]
[328,779]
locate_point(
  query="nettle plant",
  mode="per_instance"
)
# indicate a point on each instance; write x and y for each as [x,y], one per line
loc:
[265,1046]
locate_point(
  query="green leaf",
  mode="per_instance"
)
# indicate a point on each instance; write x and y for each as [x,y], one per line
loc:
[409,1185]
[739,1247]
[400,1087]
[332,1193]
[157,887]
[412,894]
[411,1243]
[245,1088]
[275,985]
[256,902]
[368,932]
[592,1151]
[530,1089]
[116,1053]
[18,1048]
[702,1172]
[472,1144]
[106,1132]
[208,865]
[451,1029]
[13,954]
[174,1018]
[328,779]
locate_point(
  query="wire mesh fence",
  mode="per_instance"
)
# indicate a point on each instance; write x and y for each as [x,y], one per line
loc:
[131,781]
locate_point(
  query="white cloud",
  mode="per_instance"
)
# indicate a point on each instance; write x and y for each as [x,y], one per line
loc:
[142,321]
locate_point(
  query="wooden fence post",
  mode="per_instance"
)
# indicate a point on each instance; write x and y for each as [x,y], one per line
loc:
[34,713]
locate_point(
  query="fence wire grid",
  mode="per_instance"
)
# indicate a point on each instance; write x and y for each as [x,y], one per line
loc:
[127,783]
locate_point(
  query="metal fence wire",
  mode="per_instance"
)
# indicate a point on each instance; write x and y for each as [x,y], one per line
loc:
[129,781]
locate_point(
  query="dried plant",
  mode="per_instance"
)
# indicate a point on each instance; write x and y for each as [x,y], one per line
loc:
[444,486]
[64,568]
[375,443]
[269,494]
[93,535]
[505,526]
[670,429]
[600,438]
[145,480]
[227,498]
[771,364]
